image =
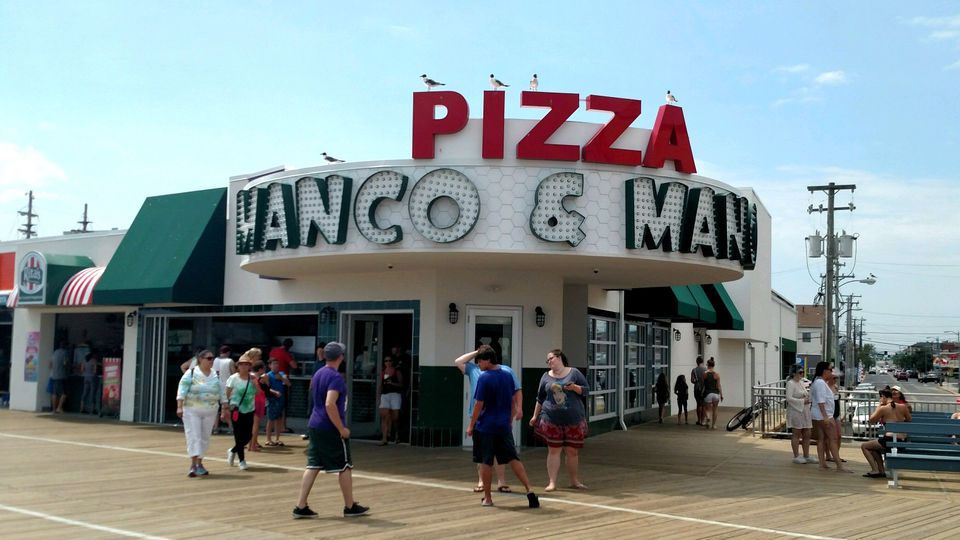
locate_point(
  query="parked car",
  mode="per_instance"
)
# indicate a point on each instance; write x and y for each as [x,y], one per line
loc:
[930,376]
[902,376]
[912,374]
[859,420]
[872,372]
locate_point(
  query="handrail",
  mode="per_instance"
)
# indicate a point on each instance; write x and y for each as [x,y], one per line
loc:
[855,409]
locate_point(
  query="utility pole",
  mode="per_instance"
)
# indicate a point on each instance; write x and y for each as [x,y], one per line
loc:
[831,190]
[85,222]
[847,375]
[27,229]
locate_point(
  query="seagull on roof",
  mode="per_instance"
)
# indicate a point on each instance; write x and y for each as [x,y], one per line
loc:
[430,83]
[670,99]
[496,84]
[331,159]
[534,83]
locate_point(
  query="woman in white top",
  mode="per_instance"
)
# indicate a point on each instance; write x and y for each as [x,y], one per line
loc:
[821,397]
[799,420]
[198,396]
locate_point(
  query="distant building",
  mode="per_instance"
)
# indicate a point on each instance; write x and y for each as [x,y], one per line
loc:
[810,320]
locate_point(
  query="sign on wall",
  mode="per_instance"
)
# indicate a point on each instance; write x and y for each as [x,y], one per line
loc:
[31,360]
[110,400]
[32,278]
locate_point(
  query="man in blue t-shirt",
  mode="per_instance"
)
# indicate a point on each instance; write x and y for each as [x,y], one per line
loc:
[491,424]
[329,446]
[468,366]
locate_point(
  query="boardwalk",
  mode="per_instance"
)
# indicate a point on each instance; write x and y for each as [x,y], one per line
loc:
[91,479]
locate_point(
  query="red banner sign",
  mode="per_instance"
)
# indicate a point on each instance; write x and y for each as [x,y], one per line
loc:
[110,402]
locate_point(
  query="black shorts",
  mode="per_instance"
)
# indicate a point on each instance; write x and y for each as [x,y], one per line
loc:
[698,396]
[328,451]
[487,446]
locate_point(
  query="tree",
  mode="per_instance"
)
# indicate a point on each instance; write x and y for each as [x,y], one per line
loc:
[866,356]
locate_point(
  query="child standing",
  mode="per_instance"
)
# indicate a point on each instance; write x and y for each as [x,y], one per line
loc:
[680,389]
[662,390]
[278,383]
[259,404]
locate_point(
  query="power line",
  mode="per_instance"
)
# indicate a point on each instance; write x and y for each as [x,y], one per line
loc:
[909,264]
[914,316]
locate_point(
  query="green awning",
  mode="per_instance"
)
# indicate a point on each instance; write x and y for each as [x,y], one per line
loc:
[708,314]
[728,317]
[674,303]
[788,345]
[174,253]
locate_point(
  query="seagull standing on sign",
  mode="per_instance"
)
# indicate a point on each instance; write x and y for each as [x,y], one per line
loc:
[534,83]
[430,83]
[670,99]
[331,159]
[496,84]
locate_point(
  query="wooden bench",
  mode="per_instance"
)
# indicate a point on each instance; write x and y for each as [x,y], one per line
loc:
[932,446]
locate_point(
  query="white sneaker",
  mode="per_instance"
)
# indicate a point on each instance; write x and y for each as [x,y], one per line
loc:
[243,465]
[800,460]
[812,459]
[231,457]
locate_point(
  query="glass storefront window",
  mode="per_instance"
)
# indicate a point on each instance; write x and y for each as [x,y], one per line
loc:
[601,372]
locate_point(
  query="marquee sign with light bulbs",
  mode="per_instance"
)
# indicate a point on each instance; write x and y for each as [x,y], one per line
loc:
[460,191]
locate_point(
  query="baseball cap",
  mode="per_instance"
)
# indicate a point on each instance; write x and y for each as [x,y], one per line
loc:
[333,350]
[897,388]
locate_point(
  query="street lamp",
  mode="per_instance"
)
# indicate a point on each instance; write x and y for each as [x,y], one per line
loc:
[850,361]
[952,332]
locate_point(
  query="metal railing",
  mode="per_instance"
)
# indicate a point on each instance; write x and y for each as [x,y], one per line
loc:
[856,406]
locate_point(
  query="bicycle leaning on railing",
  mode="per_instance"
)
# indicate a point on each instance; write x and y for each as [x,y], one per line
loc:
[746,416]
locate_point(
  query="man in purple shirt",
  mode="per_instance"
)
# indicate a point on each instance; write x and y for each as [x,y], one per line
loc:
[329,446]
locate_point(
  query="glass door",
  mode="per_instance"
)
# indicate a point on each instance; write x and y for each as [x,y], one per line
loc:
[499,328]
[363,367]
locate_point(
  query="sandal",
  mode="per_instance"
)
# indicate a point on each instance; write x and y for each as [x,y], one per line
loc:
[477,489]
[279,444]
[874,475]
[579,486]
[483,502]
[504,489]
[271,443]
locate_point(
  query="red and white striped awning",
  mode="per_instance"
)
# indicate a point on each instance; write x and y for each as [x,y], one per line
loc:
[78,290]
[12,296]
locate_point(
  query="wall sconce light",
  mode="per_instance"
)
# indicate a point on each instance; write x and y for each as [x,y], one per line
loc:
[132,318]
[454,315]
[709,339]
[541,317]
[328,315]
[676,335]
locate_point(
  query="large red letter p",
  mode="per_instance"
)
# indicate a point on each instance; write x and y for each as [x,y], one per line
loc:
[426,127]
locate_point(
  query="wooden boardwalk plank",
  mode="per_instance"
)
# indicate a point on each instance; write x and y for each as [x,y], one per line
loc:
[652,481]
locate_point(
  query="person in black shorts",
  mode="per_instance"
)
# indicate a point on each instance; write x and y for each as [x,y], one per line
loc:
[491,425]
[696,379]
[329,446]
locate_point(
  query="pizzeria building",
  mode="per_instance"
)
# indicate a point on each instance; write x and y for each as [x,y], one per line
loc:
[488,234]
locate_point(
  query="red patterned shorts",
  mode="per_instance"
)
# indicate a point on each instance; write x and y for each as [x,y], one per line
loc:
[555,435]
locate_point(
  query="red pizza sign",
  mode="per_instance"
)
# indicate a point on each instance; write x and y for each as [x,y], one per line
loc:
[668,141]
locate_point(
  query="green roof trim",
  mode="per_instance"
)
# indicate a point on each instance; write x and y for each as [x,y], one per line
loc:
[728,317]
[59,268]
[674,303]
[174,253]
[788,345]
[708,315]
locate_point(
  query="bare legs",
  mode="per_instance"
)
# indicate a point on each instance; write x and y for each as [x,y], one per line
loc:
[500,471]
[573,466]
[389,419]
[310,476]
[800,437]
[874,454]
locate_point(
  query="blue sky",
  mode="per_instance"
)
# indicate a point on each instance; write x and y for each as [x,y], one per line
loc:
[110,102]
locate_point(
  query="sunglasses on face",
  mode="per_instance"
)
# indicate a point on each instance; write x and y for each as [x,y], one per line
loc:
[207,357]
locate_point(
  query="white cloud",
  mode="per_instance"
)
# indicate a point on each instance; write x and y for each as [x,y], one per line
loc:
[951,21]
[831,77]
[26,167]
[796,68]
[955,65]
[945,34]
